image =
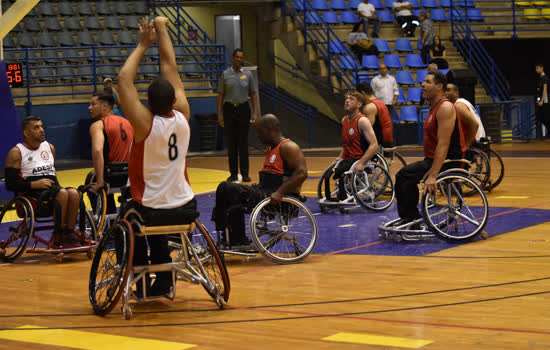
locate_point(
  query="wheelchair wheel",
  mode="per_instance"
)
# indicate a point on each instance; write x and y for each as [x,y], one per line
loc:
[373,187]
[111,266]
[203,256]
[497,169]
[321,191]
[96,206]
[395,162]
[16,227]
[479,169]
[284,233]
[450,214]
[86,225]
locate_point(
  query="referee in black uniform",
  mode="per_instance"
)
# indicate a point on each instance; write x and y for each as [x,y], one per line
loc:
[235,87]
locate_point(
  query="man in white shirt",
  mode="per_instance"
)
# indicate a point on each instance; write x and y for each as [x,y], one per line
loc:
[470,120]
[404,17]
[386,88]
[368,15]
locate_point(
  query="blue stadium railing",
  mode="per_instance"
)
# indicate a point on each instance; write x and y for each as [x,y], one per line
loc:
[319,34]
[298,73]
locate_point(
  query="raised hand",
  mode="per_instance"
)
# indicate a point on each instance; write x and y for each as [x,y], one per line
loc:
[147,33]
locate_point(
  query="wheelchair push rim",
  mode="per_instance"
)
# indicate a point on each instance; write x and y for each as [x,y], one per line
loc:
[285,233]
[373,187]
[16,228]
[110,267]
[450,214]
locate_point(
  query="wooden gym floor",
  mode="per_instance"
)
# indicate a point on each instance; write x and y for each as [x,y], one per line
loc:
[488,294]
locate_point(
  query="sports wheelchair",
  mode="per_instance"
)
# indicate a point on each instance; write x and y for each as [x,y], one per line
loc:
[101,207]
[22,218]
[491,166]
[284,233]
[447,212]
[371,189]
[195,258]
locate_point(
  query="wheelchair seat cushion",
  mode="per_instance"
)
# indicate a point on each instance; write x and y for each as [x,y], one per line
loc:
[116,174]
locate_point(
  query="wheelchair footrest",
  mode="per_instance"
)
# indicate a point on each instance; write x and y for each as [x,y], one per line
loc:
[404,232]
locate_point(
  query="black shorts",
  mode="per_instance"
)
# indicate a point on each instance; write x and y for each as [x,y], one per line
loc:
[45,200]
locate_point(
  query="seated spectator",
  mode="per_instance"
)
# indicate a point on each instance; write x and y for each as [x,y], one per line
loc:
[361,45]
[30,171]
[438,54]
[284,172]
[405,18]
[427,35]
[368,15]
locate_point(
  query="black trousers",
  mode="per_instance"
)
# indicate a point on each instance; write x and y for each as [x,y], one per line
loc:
[406,23]
[232,201]
[406,188]
[543,117]
[343,166]
[237,123]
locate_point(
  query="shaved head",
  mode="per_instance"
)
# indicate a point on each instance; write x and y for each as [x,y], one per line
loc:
[268,129]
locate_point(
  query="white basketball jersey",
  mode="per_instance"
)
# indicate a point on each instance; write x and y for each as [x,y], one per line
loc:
[37,162]
[480,130]
[158,165]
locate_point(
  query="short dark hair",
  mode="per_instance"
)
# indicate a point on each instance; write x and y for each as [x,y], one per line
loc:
[107,98]
[539,65]
[439,78]
[161,96]
[365,87]
[237,50]
[27,120]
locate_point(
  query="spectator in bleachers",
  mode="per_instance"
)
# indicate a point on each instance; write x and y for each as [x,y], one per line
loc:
[108,88]
[405,18]
[432,67]
[542,105]
[386,88]
[361,45]
[427,35]
[438,54]
[368,15]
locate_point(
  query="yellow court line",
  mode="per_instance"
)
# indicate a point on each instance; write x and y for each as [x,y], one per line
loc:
[87,340]
[308,192]
[512,197]
[371,339]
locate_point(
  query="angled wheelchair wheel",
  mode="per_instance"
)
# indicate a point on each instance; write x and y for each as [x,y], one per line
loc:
[497,169]
[96,206]
[284,233]
[86,225]
[203,256]
[373,187]
[450,214]
[16,227]
[321,186]
[395,162]
[111,266]
[479,169]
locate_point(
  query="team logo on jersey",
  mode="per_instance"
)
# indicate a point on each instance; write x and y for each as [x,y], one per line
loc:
[44,155]
[351,131]
[272,158]
[30,159]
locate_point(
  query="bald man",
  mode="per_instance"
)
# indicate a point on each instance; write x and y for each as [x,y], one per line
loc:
[284,172]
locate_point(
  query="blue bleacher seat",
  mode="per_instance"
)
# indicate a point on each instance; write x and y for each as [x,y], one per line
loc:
[313,17]
[331,17]
[414,60]
[32,25]
[65,9]
[301,5]
[370,62]
[424,113]
[84,8]
[474,14]
[46,9]
[140,7]
[122,8]
[416,12]
[401,98]
[444,71]
[46,39]
[72,23]
[421,75]
[353,4]
[131,22]
[414,3]
[439,15]
[429,3]
[348,62]
[376,3]
[465,3]
[404,77]
[338,5]
[336,46]
[102,8]
[388,3]
[51,24]
[392,61]
[382,45]
[348,17]
[419,44]
[445,3]
[456,13]
[363,77]
[409,114]
[403,44]
[320,4]
[414,94]
[385,15]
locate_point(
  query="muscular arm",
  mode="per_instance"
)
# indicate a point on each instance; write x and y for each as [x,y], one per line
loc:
[16,184]
[370,112]
[365,128]
[98,142]
[294,158]
[138,115]
[446,118]
[469,121]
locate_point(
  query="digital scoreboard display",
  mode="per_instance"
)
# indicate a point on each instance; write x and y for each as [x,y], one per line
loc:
[14,71]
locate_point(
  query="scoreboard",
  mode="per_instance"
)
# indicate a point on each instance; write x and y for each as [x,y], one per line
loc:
[15,74]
